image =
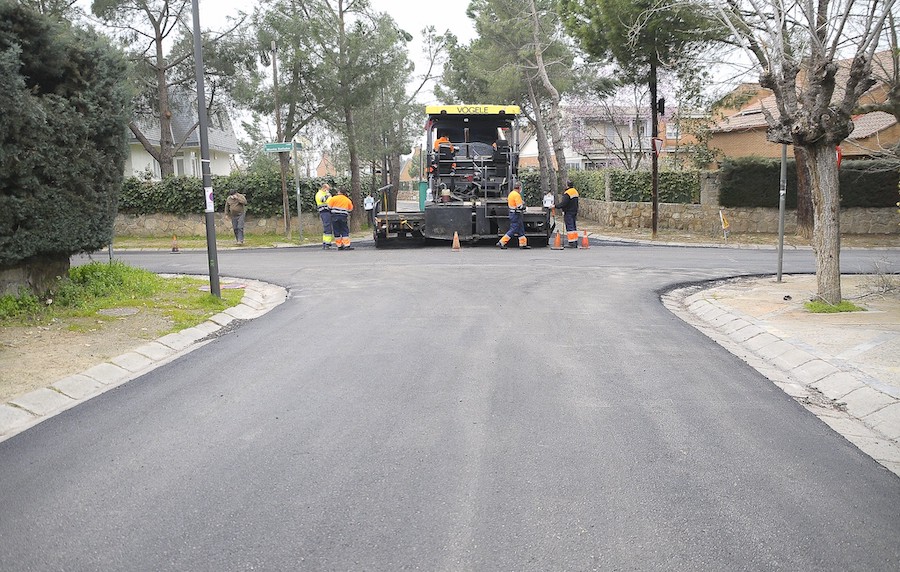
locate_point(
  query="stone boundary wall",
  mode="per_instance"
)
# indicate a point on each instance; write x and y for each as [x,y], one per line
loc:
[161,224]
[701,219]
[705,218]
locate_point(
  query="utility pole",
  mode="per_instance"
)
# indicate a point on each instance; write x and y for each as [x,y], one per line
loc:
[204,158]
[282,158]
[654,160]
[782,192]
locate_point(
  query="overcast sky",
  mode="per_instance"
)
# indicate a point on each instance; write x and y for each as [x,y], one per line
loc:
[411,15]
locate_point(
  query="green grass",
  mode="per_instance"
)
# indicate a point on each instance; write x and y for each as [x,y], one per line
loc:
[820,307]
[99,285]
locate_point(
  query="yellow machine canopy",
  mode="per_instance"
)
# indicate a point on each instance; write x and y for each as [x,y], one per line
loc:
[472,109]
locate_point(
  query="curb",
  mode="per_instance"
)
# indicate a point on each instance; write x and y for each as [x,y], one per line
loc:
[858,407]
[25,411]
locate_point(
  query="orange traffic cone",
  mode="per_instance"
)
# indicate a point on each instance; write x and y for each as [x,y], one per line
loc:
[455,242]
[557,242]
[584,241]
[174,245]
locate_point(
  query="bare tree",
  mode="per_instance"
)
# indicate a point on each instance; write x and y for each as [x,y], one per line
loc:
[613,130]
[798,47]
[147,28]
[540,40]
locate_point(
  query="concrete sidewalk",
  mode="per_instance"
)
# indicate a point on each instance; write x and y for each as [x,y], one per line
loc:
[842,367]
[24,411]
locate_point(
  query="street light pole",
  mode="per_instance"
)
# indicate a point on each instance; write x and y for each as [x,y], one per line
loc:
[204,158]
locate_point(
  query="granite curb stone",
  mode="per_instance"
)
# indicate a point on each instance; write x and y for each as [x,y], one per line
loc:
[78,386]
[43,401]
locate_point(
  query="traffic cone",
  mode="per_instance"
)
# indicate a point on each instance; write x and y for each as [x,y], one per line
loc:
[584,241]
[174,245]
[557,242]
[455,241]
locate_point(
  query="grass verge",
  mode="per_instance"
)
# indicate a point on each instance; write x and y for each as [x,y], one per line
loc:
[79,299]
[820,307]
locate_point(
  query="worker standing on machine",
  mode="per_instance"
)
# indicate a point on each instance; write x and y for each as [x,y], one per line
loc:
[341,206]
[516,218]
[322,197]
[569,206]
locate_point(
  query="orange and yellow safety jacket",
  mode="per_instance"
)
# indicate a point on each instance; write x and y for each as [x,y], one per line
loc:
[515,202]
[322,197]
[340,205]
[442,140]
[569,201]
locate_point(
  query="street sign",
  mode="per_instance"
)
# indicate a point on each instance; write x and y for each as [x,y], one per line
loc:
[280,147]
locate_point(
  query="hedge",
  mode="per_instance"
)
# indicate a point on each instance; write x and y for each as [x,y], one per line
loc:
[633,186]
[184,195]
[755,182]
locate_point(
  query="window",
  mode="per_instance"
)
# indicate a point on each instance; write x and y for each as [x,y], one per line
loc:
[672,131]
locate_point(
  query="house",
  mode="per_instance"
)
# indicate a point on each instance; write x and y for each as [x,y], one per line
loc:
[223,144]
[596,137]
[743,132]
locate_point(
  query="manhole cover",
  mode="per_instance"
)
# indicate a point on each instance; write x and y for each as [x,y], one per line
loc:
[119,311]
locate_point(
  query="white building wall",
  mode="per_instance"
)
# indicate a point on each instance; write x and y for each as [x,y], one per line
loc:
[187,163]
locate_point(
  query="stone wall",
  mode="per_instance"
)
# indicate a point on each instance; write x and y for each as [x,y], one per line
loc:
[159,225]
[704,218]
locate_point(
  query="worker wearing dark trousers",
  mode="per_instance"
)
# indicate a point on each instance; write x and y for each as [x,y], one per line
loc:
[516,218]
[325,215]
[569,205]
[341,206]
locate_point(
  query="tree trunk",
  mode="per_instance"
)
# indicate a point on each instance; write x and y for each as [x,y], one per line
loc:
[823,182]
[396,167]
[284,165]
[804,198]
[355,183]
[553,119]
[166,142]
[544,153]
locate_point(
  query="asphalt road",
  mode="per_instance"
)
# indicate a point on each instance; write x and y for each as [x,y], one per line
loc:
[423,409]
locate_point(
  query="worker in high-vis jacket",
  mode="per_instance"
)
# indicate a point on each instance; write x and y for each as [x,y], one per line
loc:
[516,218]
[341,206]
[569,205]
[322,197]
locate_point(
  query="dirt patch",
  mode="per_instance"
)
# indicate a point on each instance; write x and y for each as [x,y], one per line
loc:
[36,356]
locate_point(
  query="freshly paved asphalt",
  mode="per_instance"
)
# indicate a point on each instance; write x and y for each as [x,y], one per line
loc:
[438,410]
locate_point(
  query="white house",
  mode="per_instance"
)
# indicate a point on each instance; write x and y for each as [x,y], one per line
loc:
[223,143]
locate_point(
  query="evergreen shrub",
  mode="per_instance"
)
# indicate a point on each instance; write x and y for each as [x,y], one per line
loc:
[634,186]
[755,182]
[63,123]
[184,195]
